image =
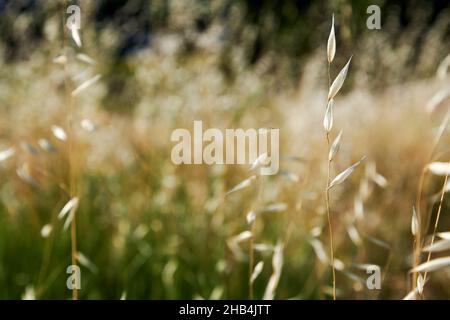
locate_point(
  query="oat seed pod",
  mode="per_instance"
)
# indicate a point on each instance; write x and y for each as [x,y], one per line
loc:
[420,283]
[414,223]
[331,45]
[339,81]
[328,119]
[335,147]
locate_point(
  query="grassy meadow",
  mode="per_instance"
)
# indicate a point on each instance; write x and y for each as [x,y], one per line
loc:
[78,122]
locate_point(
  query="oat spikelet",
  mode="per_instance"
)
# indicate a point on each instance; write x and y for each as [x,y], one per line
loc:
[414,223]
[438,246]
[75,36]
[274,207]
[335,147]
[331,45]
[85,58]
[277,265]
[72,203]
[339,81]
[46,230]
[5,154]
[328,119]
[319,250]
[251,216]
[444,235]
[59,133]
[257,271]
[86,85]
[242,236]
[341,177]
[439,168]
[85,262]
[442,71]
[243,184]
[420,283]
[432,265]
[262,160]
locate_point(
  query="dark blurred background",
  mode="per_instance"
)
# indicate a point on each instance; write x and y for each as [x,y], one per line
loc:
[274,37]
[285,28]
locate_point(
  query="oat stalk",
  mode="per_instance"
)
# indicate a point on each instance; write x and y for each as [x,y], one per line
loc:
[328,123]
[436,223]
[330,227]
[418,239]
[70,105]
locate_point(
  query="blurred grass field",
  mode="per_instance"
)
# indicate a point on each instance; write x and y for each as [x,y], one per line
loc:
[149,229]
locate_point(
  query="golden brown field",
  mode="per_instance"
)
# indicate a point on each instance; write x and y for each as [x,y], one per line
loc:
[145,228]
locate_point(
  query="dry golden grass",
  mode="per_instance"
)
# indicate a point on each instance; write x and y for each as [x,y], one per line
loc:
[149,229]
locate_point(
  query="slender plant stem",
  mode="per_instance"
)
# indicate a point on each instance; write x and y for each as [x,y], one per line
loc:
[415,258]
[330,227]
[438,215]
[418,239]
[251,261]
[251,253]
[327,200]
[73,226]
[329,75]
[70,103]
